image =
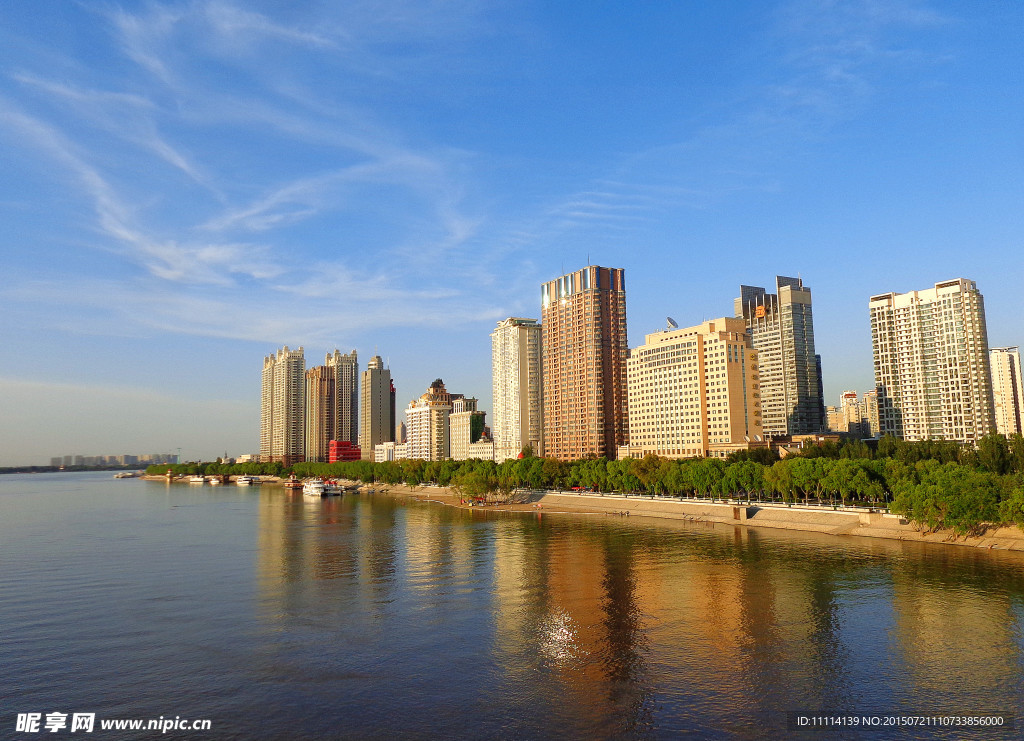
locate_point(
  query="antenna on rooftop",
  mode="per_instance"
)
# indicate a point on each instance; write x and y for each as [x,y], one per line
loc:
[671,323]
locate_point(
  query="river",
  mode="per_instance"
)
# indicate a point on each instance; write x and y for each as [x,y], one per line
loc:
[276,617]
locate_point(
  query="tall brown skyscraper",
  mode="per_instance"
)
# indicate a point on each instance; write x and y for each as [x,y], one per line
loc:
[346,396]
[321,395]
[583,319]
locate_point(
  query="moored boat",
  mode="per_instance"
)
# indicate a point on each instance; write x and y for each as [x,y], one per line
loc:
[318,488]
[314,488]
[247,480]
[197,479]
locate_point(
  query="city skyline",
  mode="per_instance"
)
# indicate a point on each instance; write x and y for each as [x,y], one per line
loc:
[193,185]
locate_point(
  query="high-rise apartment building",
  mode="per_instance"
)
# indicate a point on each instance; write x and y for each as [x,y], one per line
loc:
[346,395]
[781,327]
[694,392]
[1007,389]
[282,411]
[932,368]
[516,372]
[320,411]
[584,351]
[377,407]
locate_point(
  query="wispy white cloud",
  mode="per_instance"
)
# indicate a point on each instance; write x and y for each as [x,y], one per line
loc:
[143,37]
[232,24]
[165,258]
[832,50]
[308,311]
[126,116]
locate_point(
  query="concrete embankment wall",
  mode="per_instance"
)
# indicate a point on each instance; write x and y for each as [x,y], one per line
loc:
[835,522]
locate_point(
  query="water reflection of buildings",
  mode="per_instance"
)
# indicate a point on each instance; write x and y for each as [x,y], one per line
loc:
[565,614]
[609,628]
[733,626]
[307,547]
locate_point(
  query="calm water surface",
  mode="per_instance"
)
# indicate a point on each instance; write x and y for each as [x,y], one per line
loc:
[361,617]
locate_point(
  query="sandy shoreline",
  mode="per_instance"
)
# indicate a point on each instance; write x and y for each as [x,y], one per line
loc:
[833,522]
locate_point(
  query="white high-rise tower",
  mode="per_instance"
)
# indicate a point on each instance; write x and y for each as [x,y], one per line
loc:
[932,369]
[282,411]
[516,371]
[1007,389]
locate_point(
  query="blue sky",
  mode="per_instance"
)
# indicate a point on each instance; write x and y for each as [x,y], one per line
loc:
[187,186]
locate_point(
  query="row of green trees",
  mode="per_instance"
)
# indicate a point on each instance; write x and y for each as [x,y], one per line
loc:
[217,469]
[993,453]
[934,494]
[935,483]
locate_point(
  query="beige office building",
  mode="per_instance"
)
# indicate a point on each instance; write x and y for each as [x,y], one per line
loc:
[377,408]
[932,369]
[1007,390]
[467,431]
[516,373]
[695,392]
[584,351]
[427,424]
[282,408]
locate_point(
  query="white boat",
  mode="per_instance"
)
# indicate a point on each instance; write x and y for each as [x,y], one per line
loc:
[314,488]
[197,479]
[126,475]
[247,480]
[318,488]
[214,480]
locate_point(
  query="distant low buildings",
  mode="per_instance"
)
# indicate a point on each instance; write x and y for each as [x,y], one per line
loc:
[112,460]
